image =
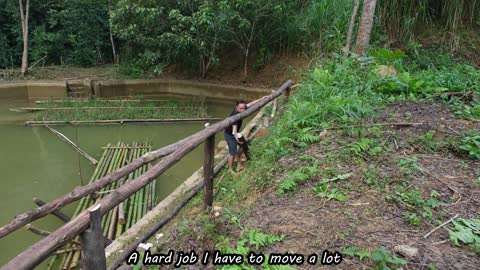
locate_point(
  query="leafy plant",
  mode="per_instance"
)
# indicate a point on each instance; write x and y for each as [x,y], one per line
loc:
[416,205]
[258,239]
[366,147]
[427,142]
[289,184]
[352,251]
[471,145]
[323,191]
[250,239]
[410,165]
[466,231]
[384,260]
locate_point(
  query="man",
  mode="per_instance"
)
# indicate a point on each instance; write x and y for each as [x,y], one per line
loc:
[232,133]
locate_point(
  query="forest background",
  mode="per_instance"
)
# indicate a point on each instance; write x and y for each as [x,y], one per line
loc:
[145,36]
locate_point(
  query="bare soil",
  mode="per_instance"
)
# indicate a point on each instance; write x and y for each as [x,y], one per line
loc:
[369,218]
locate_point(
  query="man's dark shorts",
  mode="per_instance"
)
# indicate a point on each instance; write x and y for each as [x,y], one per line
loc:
[232,144]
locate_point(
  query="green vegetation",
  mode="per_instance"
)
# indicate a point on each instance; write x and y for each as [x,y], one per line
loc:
[251,240]
[323,191]
[107,110]
[384,260]
[289,184]
[381,257]
[470,144]
[417,206]
[466,231]
[146,36]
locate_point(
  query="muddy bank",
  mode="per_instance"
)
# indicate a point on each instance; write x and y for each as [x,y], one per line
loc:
[87,88]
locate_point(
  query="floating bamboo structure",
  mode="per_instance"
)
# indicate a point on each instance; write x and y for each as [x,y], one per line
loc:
[126,214]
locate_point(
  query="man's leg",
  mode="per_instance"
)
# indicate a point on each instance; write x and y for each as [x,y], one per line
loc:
[232,152]
[230,164]
[239,154]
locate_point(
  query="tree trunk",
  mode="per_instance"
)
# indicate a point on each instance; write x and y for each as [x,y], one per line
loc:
[366,23]
[348,44]
[24,18]
[115,59]
[245,63]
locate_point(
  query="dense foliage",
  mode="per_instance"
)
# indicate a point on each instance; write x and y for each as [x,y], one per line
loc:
[151,34]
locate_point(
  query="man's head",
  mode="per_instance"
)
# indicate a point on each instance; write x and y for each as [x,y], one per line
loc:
[241,105]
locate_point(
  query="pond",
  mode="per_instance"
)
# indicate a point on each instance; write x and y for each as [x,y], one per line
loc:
[36,163]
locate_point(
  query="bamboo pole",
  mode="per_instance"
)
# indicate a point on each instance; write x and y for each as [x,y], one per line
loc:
[146,195]
[121,206]
[121,121]
[154,191]
[67,262]
[67,140]
[131,207]
[114,221]
[36,253]
[113,166]
[76,254]
[107,187]
[75,259]
[98,172]
[39,109]
[164,220]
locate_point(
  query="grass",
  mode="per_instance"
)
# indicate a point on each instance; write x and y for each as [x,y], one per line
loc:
[333,110]
[108,110]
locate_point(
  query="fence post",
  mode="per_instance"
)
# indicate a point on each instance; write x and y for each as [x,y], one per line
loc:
[93,251]
[208,171]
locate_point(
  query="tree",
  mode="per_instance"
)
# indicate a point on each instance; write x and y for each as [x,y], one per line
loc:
[348,44]
[199,27]
[366,23]
[24,21]
[250,19]
[114,53]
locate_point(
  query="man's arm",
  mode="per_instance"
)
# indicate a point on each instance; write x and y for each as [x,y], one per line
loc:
[255,101]
[234,132]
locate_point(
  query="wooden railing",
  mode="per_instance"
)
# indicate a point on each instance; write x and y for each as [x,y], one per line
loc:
[171,154]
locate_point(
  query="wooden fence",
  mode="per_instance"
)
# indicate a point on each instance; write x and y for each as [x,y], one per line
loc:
[171,154]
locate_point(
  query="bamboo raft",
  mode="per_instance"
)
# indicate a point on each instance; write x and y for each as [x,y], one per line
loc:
[122,217]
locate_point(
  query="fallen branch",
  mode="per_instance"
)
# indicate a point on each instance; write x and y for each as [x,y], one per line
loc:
[440,226]
[379,125]
[67,140]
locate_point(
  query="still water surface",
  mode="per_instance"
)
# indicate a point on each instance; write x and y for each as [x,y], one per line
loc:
[36,163]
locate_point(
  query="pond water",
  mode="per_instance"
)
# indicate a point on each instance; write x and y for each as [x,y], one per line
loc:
[36,163]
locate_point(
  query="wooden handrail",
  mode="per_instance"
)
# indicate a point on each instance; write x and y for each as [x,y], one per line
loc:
[39,251]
